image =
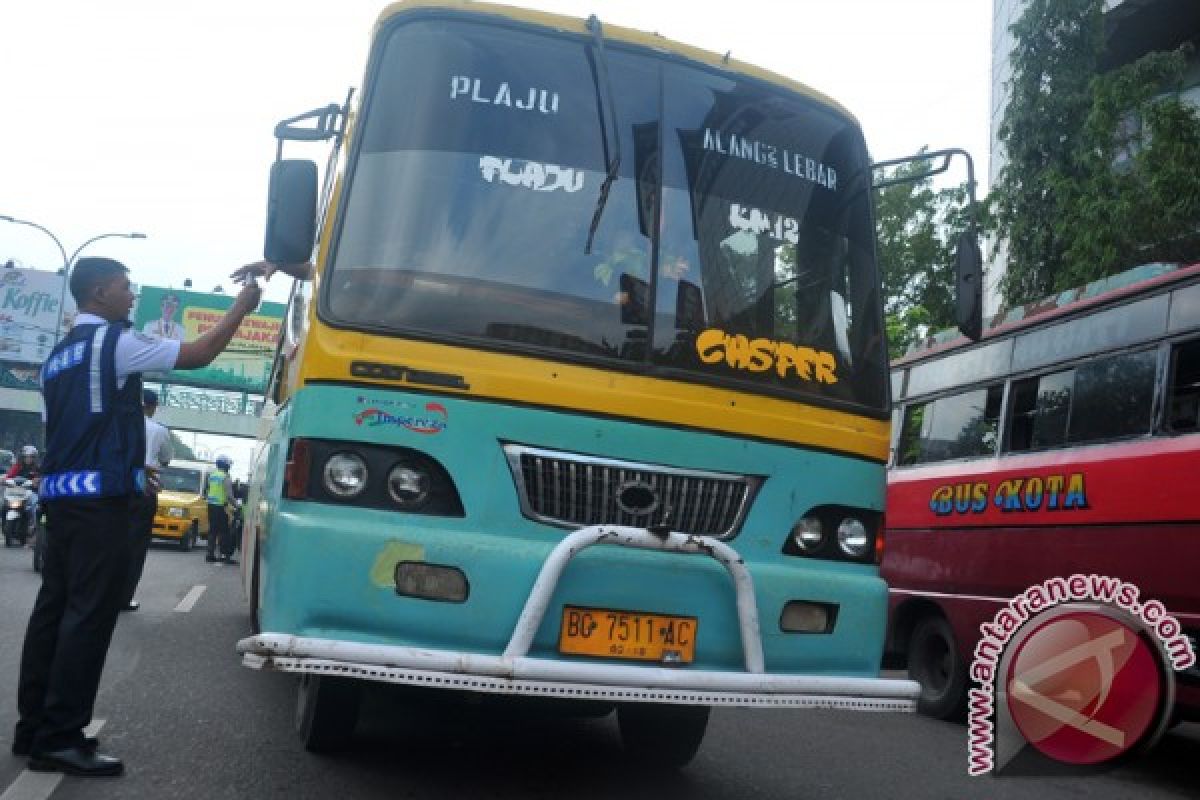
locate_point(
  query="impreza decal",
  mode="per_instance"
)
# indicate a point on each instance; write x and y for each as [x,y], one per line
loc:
[1023,493]
[760,355]
[434,420]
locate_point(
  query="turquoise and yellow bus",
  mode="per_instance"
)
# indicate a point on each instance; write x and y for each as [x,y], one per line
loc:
[587,397]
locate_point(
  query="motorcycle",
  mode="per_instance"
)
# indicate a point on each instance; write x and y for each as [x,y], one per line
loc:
[19,501]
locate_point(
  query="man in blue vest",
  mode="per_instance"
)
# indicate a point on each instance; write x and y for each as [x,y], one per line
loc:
[94,467]
[219,496]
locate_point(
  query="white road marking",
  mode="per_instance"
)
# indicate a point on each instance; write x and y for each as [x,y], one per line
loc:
[31,785]
[189,600]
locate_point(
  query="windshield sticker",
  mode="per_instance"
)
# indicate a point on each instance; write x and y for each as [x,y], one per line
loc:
[759,355]
[543,100]
[532,175]
[434,419]
[1027,493]
[752,220]
[769,155]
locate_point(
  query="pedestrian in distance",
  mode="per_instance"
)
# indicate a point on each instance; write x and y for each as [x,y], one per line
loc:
[95,465]
[143,507]
[219,494]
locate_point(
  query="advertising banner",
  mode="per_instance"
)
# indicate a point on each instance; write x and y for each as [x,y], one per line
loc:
[29,314]
[177,314]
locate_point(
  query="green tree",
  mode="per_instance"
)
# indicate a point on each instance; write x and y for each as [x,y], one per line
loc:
[1100,169]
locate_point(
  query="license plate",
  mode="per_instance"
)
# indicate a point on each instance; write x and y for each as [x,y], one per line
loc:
[627,634]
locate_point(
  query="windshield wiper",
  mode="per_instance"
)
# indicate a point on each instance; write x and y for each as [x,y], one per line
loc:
[614,163]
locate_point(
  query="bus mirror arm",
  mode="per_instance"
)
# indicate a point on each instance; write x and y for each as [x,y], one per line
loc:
[328,122]
[968,259]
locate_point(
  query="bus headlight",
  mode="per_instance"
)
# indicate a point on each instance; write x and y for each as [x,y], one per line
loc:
[852,537]
[345,475]
[839,533]
[808,534]
[409,486]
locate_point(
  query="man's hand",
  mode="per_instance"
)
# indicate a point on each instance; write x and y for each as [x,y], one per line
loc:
[259,269]
[265,269]
[248,298]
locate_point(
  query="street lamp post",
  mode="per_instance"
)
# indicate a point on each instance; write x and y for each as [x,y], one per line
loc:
[67,262]
[57,243]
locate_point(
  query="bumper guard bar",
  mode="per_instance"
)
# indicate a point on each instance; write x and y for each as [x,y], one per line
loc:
[515,672]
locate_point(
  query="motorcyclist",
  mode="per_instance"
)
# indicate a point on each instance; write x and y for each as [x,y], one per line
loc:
[26,466]
[29,467]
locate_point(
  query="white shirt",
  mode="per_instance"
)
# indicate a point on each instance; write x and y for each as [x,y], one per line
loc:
[137,352]
[158,445]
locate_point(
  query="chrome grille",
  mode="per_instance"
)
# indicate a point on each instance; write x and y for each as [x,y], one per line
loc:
[571,490]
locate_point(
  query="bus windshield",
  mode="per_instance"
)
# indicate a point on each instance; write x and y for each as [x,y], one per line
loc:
[477,191]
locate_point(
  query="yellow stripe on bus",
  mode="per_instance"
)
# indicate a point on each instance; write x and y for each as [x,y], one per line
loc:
[533,381]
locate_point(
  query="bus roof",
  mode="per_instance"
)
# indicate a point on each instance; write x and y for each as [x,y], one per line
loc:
[651,41]
[1072,301]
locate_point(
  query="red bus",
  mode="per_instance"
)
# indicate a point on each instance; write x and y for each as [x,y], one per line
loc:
[1065,441]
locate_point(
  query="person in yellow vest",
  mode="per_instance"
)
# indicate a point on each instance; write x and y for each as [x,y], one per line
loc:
[219,494]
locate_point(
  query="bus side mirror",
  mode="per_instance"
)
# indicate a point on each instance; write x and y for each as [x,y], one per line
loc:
[291,212]
[968,269]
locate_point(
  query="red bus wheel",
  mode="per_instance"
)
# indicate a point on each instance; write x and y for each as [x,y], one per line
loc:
[935,663]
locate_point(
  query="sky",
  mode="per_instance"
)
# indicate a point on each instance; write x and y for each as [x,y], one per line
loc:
[156,117]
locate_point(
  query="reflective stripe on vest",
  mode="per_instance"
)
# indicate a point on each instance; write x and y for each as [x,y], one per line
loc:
[70,484]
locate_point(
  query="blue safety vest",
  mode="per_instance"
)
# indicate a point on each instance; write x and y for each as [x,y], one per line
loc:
[95,431]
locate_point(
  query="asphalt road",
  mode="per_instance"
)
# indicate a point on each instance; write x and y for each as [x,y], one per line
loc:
[191,722]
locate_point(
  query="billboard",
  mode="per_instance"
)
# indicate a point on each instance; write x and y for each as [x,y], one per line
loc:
[246,363]
[29,314]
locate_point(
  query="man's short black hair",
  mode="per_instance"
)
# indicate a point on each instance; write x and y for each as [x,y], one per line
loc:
[150,398]
[90,272]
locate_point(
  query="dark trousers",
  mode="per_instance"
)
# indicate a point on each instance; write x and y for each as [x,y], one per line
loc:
[141,528]
[218,530]
[83,585]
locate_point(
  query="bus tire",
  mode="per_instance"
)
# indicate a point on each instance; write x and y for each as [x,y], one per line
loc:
[935,663]
[664,736]
[327,712]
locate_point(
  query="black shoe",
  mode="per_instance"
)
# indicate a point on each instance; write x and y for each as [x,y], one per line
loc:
[132,605]
[23,748]
[76,761]
[230,560]
[210,559]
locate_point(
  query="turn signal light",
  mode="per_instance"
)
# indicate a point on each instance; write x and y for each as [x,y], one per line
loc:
[295,475]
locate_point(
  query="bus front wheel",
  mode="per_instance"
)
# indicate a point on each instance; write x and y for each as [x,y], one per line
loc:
[661,735]
[327,712]
[935,663]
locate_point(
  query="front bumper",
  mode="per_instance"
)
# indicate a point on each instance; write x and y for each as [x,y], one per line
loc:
[170,527]
[514,672]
